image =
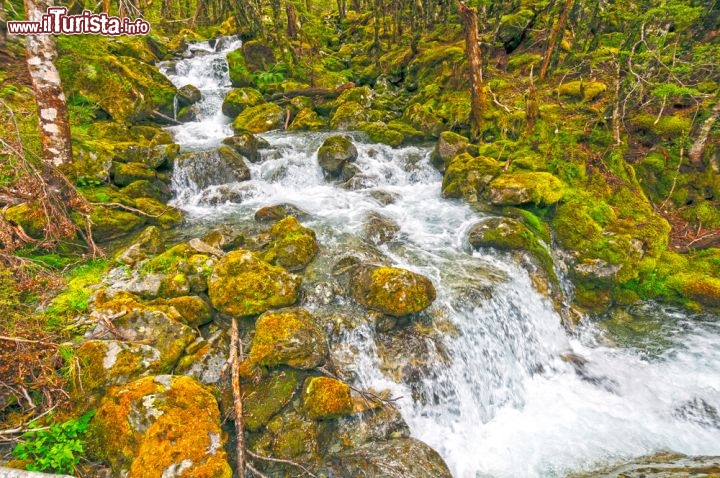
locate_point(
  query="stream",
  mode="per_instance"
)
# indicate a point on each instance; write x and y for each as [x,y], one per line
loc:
[495,397]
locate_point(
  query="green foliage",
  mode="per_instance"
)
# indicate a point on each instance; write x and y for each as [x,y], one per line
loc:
[273,76]
[75,299]
[56,449]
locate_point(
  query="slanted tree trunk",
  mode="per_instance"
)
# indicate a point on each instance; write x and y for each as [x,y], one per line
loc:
[478,100]
[41,51]
[3,24]
[698,147]
[556,35]
[342,8]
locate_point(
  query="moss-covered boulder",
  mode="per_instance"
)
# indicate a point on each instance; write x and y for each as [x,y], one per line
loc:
[335,153]
[348,116]
[111,223]
[161,426]
[259,119]
[279,211]
[507,234]
[204,361]
[468,177]
[159,214]
[258,56]
[448,146]
[325,397]
[243,284]
[126,173]
[307,120]
[392,291]
[143,188]
[290,436]
[29,216]
[104,363]
[379,132]
[157,325]
[148,243]
[523,188]
[705,290]
[128,90]
[154,157]
[213,167]
[188,95]
[582,90]
[239,99]
[293,246]
[287,337]
[268,396]
[194,310]
[247,145]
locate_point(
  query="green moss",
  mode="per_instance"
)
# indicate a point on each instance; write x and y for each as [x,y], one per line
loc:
[240,76]
[307,120]
[586,90]
[194,310]
[521,188]
[74,300]
[325,397]
[160,214]
[110,223]
[667,127]
[242,284]
[468,177]
[348,116]
[264,399]
[392,291]
[380,133]
[238,99]
[293,246]
[259,119]
[287,337]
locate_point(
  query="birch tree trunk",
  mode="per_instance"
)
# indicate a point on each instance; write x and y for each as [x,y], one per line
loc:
[41,52]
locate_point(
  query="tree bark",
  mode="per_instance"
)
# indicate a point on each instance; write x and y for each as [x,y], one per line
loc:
[556,35]
[478,100]
[698,147]
[3,24]
[292,27]
[41,51]
[235,359]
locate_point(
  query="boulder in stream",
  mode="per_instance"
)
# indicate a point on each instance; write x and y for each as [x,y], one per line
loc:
[335,153]
[392,291]
[242,284]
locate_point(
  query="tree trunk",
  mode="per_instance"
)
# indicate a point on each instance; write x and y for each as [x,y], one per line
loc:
[556,35]
[698,147]
[3,24]
[342,7]
[41,51]
[292,26]
[477,95]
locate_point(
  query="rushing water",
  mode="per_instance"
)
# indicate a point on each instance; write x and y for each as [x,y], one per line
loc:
[498,399]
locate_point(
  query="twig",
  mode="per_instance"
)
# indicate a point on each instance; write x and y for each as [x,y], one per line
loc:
[129,208]
[363,393]
[26,341]
[255,471]
[279,460]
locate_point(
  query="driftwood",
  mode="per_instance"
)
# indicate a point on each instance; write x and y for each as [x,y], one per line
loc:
[311,92]
[157,115]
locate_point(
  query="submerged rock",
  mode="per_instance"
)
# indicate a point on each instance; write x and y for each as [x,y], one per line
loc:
[212,167]
[379,229]
[243,284]
[335,153]
[392,291]
[161,426]
[287,337]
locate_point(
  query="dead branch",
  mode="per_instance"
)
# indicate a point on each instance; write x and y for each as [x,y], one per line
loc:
[27,341]
[279,460]
[236,353]
[156,114]
[129,208]
[311,92]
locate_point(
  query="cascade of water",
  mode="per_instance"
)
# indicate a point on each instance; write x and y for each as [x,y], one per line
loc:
[496,397]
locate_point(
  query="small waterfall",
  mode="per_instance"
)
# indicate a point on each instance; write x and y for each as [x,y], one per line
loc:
[493,381]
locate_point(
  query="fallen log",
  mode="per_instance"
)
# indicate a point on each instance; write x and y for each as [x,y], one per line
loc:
[311,92]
